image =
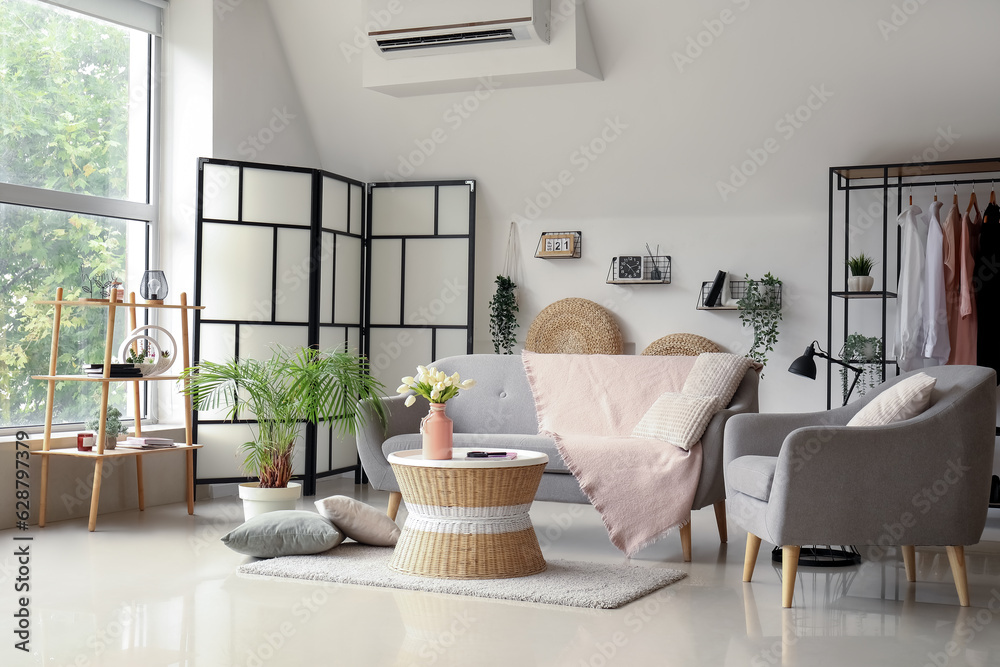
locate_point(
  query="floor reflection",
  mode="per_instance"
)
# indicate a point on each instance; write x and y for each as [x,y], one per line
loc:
[886,617]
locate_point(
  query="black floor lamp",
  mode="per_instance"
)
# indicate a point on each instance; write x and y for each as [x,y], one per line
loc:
[822,555]
[806,367]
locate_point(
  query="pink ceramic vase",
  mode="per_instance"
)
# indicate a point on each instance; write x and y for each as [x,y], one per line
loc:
[437,430]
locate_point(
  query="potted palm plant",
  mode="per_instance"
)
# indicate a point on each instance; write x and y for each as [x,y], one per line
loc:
[293,386]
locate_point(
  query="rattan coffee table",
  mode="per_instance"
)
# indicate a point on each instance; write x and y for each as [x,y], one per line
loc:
[468,518]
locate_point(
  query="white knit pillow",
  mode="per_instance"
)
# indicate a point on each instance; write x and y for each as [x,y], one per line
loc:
[677,418]
[716,374]
[903,400]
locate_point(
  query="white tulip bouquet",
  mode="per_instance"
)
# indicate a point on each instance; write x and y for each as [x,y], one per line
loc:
[434,385]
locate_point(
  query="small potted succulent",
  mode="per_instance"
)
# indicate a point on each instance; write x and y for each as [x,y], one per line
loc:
[861,267]
[113,426]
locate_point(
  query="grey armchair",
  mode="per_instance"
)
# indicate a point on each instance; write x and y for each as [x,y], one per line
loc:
[795,479]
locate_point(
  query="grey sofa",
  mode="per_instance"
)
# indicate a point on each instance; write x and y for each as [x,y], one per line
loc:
[795,479]
[500,412]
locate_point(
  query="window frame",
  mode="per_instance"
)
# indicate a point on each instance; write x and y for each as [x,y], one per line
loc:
[147,213]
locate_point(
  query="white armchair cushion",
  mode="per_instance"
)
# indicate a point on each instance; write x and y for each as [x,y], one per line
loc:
[903,400]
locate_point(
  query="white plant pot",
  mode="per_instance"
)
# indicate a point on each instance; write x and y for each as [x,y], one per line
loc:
[860,283]
[260,501]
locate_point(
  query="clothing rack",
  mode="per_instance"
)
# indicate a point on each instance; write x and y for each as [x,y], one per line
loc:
[894,177]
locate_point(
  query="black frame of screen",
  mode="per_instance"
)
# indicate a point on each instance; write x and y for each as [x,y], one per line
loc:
[313,323]
[370,236]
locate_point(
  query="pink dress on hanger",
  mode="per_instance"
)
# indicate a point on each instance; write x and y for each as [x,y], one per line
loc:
[967,333]
[961,336]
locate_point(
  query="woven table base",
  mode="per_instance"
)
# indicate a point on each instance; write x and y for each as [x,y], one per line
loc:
[451,556]
[468,523]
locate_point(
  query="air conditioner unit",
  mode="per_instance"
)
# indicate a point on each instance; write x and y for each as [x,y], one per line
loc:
[407,28]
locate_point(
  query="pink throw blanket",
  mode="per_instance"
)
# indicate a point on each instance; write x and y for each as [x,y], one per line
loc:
[589,404]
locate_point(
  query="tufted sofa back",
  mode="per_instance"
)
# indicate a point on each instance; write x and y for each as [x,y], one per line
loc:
[500,402]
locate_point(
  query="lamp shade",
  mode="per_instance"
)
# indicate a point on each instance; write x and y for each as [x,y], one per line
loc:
[153,286]
[805,365]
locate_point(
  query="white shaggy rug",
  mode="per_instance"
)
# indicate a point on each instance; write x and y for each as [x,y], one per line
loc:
[564,582]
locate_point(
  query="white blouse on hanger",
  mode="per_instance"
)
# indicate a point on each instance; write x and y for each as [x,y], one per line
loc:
[909,346]
[937,345]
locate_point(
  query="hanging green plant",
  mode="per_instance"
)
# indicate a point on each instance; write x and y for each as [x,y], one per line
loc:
[866,353]
[760,310]
[503,316]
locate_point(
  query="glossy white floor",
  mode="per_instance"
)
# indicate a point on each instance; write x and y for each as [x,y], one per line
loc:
[158,588]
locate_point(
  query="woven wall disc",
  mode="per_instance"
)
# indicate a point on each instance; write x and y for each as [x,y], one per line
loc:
[689,345]
[574,326]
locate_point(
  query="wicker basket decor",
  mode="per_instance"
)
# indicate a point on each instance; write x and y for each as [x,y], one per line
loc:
[676,345]
[574,326]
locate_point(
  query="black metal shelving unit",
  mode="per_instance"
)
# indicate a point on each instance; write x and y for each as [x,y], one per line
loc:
[892,180]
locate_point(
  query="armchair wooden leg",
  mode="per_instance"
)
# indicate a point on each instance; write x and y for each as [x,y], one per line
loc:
[909,561]
[686,541]
[750,559]
[789,568]
[956,556]
[394,498]
[720,519]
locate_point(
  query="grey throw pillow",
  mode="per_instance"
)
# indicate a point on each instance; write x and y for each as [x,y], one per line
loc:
[358,521]
[284,533]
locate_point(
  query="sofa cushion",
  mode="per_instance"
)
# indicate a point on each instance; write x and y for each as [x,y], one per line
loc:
[717,374]
[678,419]
[904,400]
[283,533]
[358,521]
[534,443]
[752,475]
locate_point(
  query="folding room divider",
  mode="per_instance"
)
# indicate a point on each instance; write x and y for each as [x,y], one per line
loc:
[304,257]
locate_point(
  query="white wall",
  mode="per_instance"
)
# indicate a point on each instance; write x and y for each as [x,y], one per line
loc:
[186,136]
[880,94]
[258,115]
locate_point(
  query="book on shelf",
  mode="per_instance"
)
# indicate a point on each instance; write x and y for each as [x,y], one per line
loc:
[117,370]
[715,293]
[134,442]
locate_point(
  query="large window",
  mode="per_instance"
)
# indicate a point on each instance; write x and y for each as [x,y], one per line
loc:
[76,198]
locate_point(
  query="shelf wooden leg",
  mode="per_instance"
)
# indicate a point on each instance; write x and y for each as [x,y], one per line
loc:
[750,558]
[686,541]
[190,481]
[909,561]
[789,570]
[720,519]
[95,496]
[956,556]
[394,498]
[138,479]
[44,491]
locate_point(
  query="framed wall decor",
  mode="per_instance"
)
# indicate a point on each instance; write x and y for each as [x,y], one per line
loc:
[559,245]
